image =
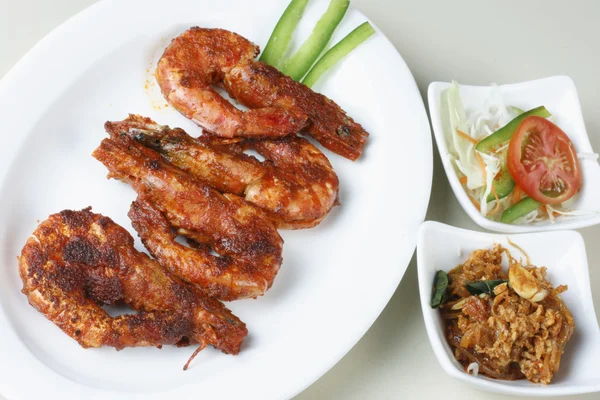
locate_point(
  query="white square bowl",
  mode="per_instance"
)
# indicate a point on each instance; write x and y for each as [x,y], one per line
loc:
[443,247]
[559,95]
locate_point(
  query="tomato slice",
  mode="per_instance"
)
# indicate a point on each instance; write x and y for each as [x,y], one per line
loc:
[543,161]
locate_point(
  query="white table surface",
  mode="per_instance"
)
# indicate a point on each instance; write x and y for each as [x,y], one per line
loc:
[474,42]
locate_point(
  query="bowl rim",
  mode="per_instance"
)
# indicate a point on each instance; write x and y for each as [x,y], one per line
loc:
[433,100]
[437,342]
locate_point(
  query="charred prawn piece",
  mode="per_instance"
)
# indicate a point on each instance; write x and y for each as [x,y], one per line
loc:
[171,202]
[201,58]
[295,186]
[77,261]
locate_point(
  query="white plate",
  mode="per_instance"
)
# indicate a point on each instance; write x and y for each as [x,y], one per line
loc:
[559,95]
[335,279]
[443,247]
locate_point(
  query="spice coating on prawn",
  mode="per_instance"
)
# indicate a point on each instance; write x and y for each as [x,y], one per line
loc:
[247,242]
[257,85]
[200,58]
[75,261]
[296,185]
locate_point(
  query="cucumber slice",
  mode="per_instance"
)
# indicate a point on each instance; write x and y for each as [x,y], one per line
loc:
[337,52]
[300,62]
[503,183]
[504,134]
[282,34]
[516,110]
[519,209]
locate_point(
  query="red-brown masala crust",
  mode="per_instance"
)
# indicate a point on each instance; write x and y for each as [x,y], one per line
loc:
[296,185]
[76,261]
[200,58]
[257,85]
[247,241]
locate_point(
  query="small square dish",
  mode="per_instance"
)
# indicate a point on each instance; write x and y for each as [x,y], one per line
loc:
[559,96]
[443,247]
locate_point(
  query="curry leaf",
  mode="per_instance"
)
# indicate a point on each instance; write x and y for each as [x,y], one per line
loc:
[440,288]
[479,287]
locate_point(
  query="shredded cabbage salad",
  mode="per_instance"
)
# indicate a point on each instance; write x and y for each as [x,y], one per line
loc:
[476,170]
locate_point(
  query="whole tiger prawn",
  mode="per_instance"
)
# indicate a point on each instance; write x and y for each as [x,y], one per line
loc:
[247,243]
[76,261]
[296,185]
[201,58]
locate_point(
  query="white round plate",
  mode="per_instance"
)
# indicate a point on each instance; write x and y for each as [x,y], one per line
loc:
[335,279]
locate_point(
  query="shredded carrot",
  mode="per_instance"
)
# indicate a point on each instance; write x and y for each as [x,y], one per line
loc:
[516,246]
[544,209]
[495,210]
[517,194]
[464,135]
[475,203]
[463,180]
